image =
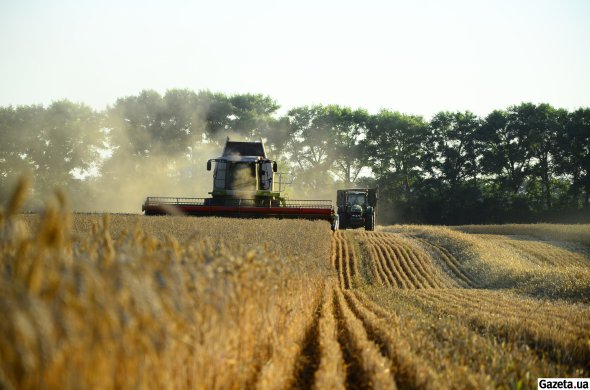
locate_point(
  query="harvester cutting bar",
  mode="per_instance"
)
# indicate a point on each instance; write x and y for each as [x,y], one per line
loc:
[245,208]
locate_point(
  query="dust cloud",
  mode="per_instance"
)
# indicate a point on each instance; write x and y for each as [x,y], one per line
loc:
[127,182]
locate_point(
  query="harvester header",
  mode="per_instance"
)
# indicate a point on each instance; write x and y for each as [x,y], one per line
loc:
[246,184]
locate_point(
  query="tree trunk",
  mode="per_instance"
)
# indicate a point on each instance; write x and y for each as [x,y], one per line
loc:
[545,180]
[547,191]
[348,169]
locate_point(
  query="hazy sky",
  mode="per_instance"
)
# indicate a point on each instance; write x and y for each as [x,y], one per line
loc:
[413,56]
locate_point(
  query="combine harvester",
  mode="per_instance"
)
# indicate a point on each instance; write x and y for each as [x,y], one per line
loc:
[244,186]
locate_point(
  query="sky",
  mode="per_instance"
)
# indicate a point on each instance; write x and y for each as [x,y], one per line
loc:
[417,57]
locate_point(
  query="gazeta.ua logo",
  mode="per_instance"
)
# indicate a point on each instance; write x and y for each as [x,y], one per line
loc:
[563,383]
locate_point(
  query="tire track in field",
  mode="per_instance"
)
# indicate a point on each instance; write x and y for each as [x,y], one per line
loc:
[293,358]
[317,359]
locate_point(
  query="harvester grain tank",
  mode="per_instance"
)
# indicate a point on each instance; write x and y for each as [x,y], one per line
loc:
[246,184]
[356,208]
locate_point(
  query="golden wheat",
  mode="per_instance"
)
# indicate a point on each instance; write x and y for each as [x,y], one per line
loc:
[176,302]
[109,305]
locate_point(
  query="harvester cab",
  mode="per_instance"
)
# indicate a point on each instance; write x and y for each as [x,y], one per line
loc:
[245,185]
[244,172]
[356,208]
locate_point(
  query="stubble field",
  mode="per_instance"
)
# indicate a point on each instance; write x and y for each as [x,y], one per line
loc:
[92,301]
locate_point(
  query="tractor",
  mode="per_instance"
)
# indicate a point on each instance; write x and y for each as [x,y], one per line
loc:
[356,208]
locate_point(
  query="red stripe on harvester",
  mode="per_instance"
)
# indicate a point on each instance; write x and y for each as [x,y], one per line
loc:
[257,210]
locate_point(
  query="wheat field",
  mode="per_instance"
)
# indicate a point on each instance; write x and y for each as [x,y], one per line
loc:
[126,301]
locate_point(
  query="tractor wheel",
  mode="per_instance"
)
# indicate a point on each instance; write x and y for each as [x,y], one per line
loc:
[370,222]
[341,221]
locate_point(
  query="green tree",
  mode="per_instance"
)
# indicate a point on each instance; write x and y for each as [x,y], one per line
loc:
[151,124]
[349,128]
[451,169]
[65,143]
[325,145]
[311,146]
[545,124]
[573,156]
[521,145]
[252,114]
[17,129]
[452,152]
[394,147]
[507,154]
[58,145]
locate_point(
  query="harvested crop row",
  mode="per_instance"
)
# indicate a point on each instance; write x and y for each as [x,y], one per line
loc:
[353,258]
[391,274]
[331,372]
[544,253]
[421,266]
[463,355]
[579,233]
[492,263]
[376,267]
[379,258]
[348,260]
[409,370]
[399,263]
[449,262]
[509,303]
[337,262]
[512,312]
[342,260]
[367,366]
[565,339]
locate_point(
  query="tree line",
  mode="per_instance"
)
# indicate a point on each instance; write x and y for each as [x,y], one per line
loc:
[528,162]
